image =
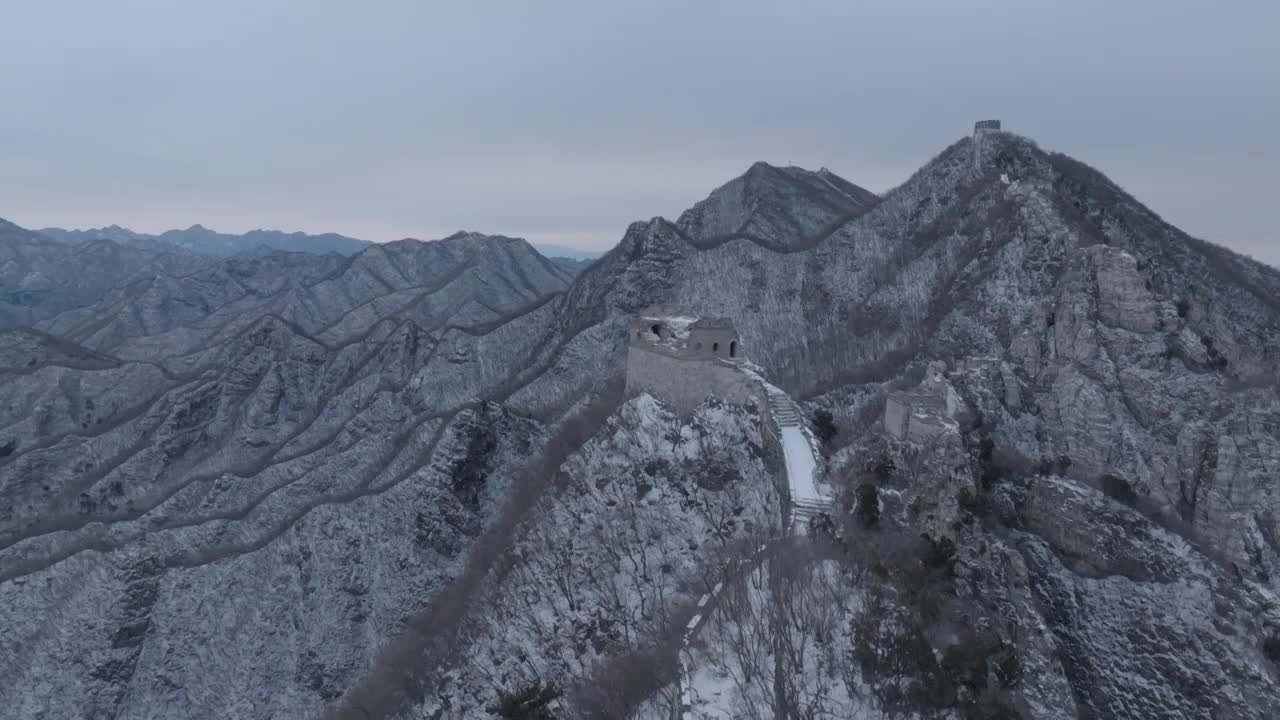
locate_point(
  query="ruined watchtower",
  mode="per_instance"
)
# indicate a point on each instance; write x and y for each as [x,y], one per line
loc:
[985,126]
[981,129]
[678,332]
[925,411]
[681,356]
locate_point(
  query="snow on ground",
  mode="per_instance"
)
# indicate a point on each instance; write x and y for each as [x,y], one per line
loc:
[713,692]
[678,324]
[808,611]
[801,466]
[799,445]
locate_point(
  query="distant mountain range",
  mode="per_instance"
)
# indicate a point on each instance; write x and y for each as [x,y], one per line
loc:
[43,273]
[203,241]
[40,278]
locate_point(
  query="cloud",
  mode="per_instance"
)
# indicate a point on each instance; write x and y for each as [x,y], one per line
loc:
[575,118]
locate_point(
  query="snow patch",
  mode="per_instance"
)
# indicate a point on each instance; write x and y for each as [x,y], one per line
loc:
[801,467]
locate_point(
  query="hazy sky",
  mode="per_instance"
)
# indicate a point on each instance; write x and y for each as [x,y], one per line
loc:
[565,121]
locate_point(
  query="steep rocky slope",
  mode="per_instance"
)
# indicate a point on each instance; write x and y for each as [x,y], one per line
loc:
[612,559]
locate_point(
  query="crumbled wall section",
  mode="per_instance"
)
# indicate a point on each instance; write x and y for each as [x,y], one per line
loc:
[681,332]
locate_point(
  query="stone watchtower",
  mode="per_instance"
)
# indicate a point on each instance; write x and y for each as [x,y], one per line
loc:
[678,332]
[681,356]
[981,129]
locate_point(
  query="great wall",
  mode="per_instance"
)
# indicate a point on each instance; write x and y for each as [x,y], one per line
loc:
[681,357]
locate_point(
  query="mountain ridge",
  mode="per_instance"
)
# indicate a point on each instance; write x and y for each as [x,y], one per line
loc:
[203,241]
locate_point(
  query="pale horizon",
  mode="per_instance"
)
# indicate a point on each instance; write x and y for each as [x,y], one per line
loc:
[566,122]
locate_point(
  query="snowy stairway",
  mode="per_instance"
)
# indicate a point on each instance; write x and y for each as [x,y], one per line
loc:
[801,455]
[783,410]
[799,448]
[803,510]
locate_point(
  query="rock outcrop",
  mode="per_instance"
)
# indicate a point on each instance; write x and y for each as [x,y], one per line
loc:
[1124,296]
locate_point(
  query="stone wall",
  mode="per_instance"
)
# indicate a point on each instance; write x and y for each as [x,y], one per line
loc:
[896,413]
[684,384]
[921,414]
[698,342]
[715,342]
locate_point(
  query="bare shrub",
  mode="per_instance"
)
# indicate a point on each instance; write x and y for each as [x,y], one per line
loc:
[531,702]
[824,426]
[868,508]
[1117,488]
[1271,648]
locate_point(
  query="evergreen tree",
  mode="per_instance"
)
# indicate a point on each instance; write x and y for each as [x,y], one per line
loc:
[531,702]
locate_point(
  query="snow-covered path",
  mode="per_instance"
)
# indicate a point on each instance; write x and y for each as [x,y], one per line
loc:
[801,466]
[801,456]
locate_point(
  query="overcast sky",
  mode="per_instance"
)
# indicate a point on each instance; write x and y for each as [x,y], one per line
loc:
[565,121]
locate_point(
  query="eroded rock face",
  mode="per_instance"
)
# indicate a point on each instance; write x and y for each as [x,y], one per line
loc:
[1124,300]
[1146,625]
[1106,612]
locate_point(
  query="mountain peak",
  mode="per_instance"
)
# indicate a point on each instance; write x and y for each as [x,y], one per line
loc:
[462,234]
[783,208]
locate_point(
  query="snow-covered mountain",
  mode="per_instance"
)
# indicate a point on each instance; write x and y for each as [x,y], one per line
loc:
[464,280]
[40,278]
[251,490]
[203,241]
[200,240]
[1102,354]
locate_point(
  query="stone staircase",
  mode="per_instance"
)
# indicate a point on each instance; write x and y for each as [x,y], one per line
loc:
[803,511]
[784,410]
[787,414]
